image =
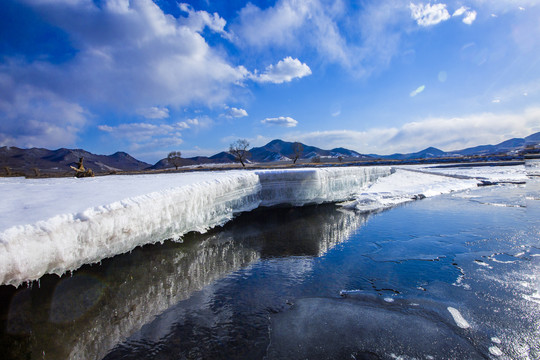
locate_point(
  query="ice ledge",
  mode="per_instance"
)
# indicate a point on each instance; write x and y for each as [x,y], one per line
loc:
[67,241]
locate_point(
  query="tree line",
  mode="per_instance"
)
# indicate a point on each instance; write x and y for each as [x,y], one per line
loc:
[238,149]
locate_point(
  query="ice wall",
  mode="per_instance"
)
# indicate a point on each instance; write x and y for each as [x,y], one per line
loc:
[315,186]
[67,241]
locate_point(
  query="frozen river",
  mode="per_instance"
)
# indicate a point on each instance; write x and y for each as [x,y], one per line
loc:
[455,275]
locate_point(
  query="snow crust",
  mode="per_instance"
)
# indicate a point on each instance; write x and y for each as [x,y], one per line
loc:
[57,225]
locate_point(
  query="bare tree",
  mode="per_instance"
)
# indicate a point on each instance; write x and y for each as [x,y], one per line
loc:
[239,150]
[298,148]
[175,158]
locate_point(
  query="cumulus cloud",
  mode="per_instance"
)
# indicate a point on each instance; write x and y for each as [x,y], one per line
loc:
[284,71]
[198,20]
[445,133]
[417,91]
[280,121]
[232,112]
[428,15]
[470,15]
[131,54]
[469,18]
[154,112]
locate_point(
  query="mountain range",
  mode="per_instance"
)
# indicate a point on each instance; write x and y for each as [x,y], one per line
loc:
[59,161]
[15,160]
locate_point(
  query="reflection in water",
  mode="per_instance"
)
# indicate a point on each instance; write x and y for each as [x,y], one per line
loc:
[85,315]
[421,281]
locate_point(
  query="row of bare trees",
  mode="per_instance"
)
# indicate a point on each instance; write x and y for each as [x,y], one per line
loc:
[238,149]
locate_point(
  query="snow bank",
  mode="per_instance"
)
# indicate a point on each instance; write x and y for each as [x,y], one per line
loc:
[57,225]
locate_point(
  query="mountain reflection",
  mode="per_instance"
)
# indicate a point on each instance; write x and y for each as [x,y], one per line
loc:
[85,315]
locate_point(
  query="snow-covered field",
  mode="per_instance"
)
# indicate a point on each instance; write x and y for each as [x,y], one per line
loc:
[57,225]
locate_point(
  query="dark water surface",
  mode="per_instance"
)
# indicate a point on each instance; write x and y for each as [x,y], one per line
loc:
[452,277]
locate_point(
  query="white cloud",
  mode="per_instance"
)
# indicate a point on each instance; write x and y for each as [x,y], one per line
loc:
[198,20]
[445,133]
[284,71]
[191,123]
[460,11]
[233,112]
[417,91]
[470,15]
[293,24]
[275,25]
[33,117]
[280,121]
[147,135]
[154,112]
[469,18]
[428,15]
[361,39]
[129,55]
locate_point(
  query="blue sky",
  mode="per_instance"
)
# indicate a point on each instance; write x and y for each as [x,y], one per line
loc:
[148,77]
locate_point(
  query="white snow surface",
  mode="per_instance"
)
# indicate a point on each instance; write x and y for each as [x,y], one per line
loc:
[491,173]
[57,225]
[413,182]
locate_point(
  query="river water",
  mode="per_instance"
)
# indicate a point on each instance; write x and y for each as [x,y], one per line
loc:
[449,277]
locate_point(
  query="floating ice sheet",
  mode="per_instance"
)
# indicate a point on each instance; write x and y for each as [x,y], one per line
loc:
[406,185]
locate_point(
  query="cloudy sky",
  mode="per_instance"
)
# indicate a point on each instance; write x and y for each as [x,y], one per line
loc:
[375,76]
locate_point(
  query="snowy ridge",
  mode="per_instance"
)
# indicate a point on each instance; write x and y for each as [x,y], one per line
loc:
[167,207]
